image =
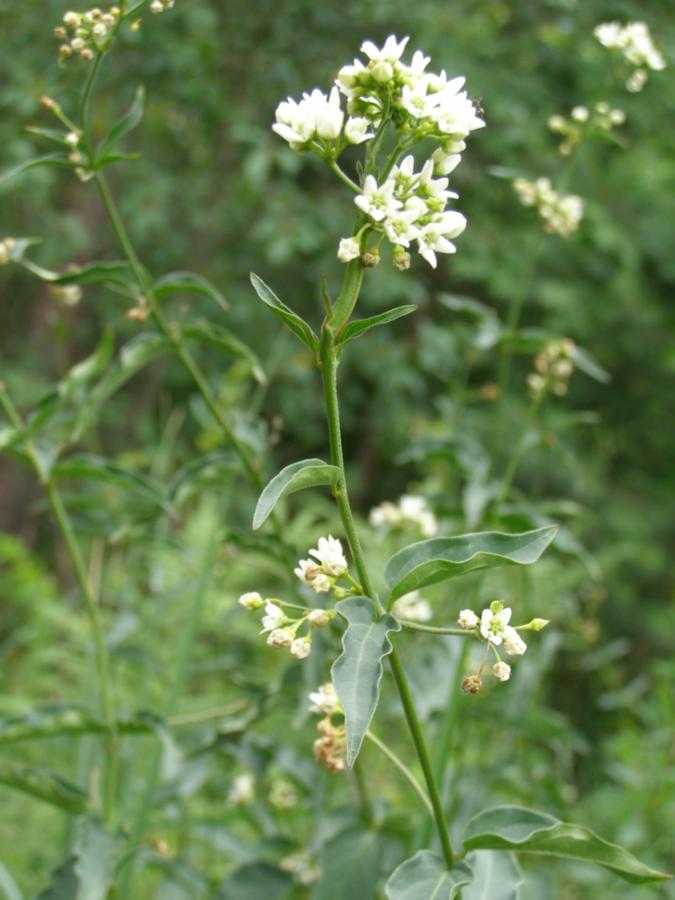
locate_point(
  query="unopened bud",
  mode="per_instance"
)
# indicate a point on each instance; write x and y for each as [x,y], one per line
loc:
[370,259]
[401,259]
[471,684]
[538,624]
[251,600]
[320,617]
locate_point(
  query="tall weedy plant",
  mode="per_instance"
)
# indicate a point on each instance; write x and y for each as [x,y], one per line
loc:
[402,134]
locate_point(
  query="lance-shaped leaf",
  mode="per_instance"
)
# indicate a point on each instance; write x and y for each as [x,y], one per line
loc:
[124,125]
[359,326]
[496,877]
[428,562]
[527,831]
[60,720]
[44,785]
[99,468]
[296,477]
[298,326]
[85,370]
[425,876]
[189,283]
[225,340]
[58,160]
[357,671]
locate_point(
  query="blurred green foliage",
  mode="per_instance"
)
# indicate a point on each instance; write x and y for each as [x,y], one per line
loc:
[585,728]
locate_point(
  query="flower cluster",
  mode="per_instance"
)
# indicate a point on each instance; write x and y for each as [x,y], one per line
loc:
[282,629]
[330,748]
[396,202]
[329,564]
[554,366]
[635,44]
[412,607]
[87,33]
[160,6]
[494,628]
[300,866]
[6,247]
[583,121]
[561,214]
[410,509]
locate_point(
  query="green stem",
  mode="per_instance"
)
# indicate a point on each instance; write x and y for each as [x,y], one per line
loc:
[517,453]
[361,786]
[344,178]
[436,629]
[403,769]
[329,371]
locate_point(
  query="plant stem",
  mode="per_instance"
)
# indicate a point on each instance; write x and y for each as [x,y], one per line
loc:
[436,629]
[329,371]
[517,453]
[403,769]
[344,178]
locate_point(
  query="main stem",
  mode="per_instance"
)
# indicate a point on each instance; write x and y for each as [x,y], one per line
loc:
[329,372]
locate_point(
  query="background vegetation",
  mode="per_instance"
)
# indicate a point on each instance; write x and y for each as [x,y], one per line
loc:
[585,728]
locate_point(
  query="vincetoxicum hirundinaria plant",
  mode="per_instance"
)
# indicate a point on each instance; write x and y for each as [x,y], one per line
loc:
[411,125]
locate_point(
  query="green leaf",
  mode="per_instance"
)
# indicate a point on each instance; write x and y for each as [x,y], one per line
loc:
[496,877]
[95,851]
[19,247]
[298,326]
[527,831]
[349,865]
[428,562]
[583,360]
[255,881]
[119,273]
[296,477]
[47,722]
[425,876]
[51,134]
[124,125]
[9,889]
[141,350]
[359,326]
[98,468]
[59,160]
[357,672]
[84,371]
[225,340]
[189,283]
[44,785]
[63,884]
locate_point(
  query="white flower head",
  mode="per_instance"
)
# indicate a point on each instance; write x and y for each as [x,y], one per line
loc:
[399,227]
[467,619]
[274,617]
[301,647]
[281,638]
[413,607]
[251,600]
[348,249]
[377,201]
[502,671]
[513,643]
[325,700]
[330,556]
[493,623]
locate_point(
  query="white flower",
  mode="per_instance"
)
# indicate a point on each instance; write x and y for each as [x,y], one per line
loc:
[384,514]
[636,81]
[281,637]
[295,122]
[356,130]
[633,40]
[413,607]
[322,583]
[399,228]
[320,617]
[307,570]
[467,618]
[327,114]
[301,647]
[273,618]
[391,51]
[433,238]
[502,671]
[348,249]
[330,555]
[580,114]
[493,623]
[242,790]
[513,643]
[445,163]
[349,76]
[251,600]
[378,202]
[325,700]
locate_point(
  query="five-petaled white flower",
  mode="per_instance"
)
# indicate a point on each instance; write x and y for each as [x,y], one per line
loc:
[274,617]
[377,201]
[301,647]
[325,700]
[502,671]
[513,643]
[493,623]
[330,556]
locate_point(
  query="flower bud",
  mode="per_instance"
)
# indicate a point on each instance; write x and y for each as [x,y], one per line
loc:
[471,684]
[502,671]
[281,637]
[382,71]
[467,619]
[370,259]
[356,130]
[71,19]
[538,624]
[320,617]
[401,258]
[348,249]
[251,600]
[72,139]
[301,647]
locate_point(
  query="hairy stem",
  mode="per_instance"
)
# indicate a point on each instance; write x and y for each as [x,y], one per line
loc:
[329,371]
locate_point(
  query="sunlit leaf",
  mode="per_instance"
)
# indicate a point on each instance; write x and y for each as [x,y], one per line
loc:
[428,562]
[527,831]
[357,671]
[425,876]
[360,326]
[296,477]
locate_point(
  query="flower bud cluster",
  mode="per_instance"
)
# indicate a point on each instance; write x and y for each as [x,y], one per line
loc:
[282,629]
[330,748]
[283,794]
[88,33]
[493,626]
[582,122]
[300,866]
[634,43]
[410,509]
[160,6]
[561,214]
[554,367]
[328,565]
[396,202]
[412,607]
[6,247]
